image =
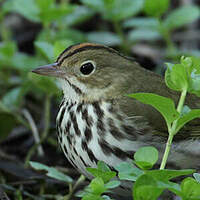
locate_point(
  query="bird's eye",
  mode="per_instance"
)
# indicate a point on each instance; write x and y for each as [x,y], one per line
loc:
[87,68]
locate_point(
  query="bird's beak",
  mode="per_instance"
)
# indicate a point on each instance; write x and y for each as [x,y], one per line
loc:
[50,70]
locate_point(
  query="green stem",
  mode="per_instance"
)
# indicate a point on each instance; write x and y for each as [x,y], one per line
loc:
[171,48]
[172,130]
[120,33]
[72,189]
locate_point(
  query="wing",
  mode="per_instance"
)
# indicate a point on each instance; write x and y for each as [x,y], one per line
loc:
[153,83]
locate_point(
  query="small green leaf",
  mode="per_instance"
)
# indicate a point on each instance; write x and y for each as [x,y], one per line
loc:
[181,16]
[51,172]
[146,157]
[127,171]
[44,4]
[28,9]
[46,84]
[12,98]
[142,22]
[60,46]
[164,105]
[192,114]
[176,77]
[7,49]
[92,197]
[25,63]
[106,176]
[156,8]
[112,184]
[168,174]
[143,34]
[46,49]
[197,177]
[115,10]
[190,189]
[103,167]
[97,186]
[107,38]
[8,123]
[79,15]
[146,188]
[50,10]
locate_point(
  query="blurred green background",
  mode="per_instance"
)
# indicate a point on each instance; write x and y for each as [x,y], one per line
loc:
[35,32]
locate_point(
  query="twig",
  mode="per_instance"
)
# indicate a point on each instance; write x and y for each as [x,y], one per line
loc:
[34,131]
[3,195]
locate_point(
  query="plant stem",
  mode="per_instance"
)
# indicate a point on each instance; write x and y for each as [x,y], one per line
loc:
[171,48]
[73,188]
[120,33]
[172,130]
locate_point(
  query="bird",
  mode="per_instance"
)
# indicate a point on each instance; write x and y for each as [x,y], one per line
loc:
[98,121]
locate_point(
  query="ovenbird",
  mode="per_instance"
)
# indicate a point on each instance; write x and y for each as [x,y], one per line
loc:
[97,121]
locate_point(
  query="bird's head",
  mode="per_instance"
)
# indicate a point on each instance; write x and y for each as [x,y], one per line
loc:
[89,72]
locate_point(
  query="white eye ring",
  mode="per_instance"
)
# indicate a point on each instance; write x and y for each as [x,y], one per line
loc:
[87,67]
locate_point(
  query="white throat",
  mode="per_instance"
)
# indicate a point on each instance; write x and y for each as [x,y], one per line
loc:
[71,88]
[75,91]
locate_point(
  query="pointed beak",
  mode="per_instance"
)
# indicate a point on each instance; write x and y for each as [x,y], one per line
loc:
[50,70]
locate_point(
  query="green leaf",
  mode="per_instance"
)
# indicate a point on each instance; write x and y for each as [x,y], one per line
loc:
[115,10]
[46,84]
[97,186]
[92,197]
[44,4]
[103,167]
[50,11]
[176,77]
[25,63]
[168,174]
[112,184]
[12,98]
[46,49]
[146,157]
[194,72]
[28,9]
[127,171]
[184,76]
[60,46]
[146,188]
[197,177]
[7,49]
[181,16]
[142,23]
[164,105]
[106,38]
[144,34]
[9,122]
[190,189]
[192,114]
[79,15]
[156,8]
[51,172]
[106,176]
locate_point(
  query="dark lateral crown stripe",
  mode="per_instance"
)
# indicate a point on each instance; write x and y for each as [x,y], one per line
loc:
[84,48]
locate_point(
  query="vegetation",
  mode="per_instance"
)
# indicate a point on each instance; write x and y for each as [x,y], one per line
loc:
[35,32]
